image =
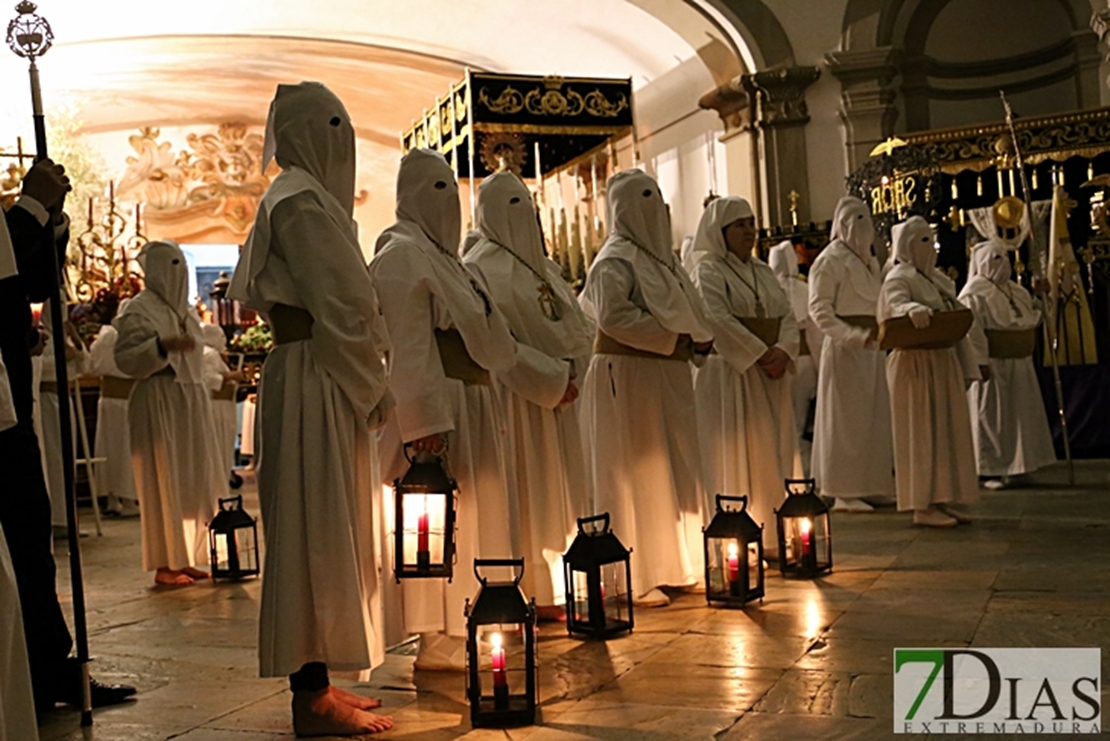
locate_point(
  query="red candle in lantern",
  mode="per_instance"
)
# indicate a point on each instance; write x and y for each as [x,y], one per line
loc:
[36,314]
[497,657]
[422,532]
[805,534]
[733,563]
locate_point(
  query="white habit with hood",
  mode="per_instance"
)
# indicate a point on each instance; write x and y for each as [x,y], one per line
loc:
[784,262]
[933,458]
[544,460]
[852,450]
[48,400]
[1008,419]
[319,398]
[175,458]
[638,417]
[745,419]
[113,432]
[223,408]
[423,288]
[17,705]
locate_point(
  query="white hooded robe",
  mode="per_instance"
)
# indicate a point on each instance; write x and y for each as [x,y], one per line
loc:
[424,287]
[318,398]
[852,451]
[745,419]
[783,261]
[637,413]
[934,462]
[544,460]
[1009,423]
[113,432]
[175,459]
[223,409]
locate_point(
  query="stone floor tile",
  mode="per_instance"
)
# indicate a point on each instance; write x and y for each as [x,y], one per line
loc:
[740,649]
[763,726]
[689,686]
[808,692]
[849,654]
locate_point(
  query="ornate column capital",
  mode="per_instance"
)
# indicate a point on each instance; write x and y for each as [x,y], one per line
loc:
[781,94]
[732,103]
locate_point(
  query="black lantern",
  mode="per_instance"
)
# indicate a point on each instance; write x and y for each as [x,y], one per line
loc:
[233,540]
[501,650]
[733,555]
[598,573]
[424,532]
[805,531]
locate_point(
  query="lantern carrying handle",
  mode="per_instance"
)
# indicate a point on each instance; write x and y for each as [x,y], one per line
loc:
[602,518]
[442,455]
[725,498]
[792,484]
[512,563]
[236,501]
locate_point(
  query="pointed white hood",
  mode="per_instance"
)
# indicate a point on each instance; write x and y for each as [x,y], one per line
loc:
[640,234]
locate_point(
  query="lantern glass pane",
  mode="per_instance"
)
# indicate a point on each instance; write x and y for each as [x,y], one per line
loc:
[615,591]
[425,528]
[503,665]
[247,548]
[613,594]
[221,550]
[807,540]
[733,568]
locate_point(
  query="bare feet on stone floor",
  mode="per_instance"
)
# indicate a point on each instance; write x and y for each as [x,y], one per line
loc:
[170,578]
[196,574]
[355,701]
[322,713]
[933,517]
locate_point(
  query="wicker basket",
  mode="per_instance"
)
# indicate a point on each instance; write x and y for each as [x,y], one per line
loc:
[945,329]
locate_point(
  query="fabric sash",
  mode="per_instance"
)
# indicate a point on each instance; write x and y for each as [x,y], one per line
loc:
[113,387]
[457,362]
[1008,344]
[290,324]
[606,345]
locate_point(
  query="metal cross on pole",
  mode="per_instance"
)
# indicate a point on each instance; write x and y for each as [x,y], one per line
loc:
[29,36]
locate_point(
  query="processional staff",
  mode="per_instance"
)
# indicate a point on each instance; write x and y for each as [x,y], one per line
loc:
[29,36]
[1051,336]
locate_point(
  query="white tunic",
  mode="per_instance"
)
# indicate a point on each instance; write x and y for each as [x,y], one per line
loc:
[641,438]
[428,402]
[852,449]
[175,460]
[51,448]
[934,462]
[113,433]
[316,462]
[544,461]
[1009,424]
[745,419]
[225,422]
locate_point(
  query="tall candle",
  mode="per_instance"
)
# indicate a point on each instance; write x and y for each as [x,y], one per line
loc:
[423,557]
[807,526]
[734,569]
[500,678]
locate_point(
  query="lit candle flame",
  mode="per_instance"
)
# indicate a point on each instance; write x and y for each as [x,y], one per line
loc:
[733,550]
[807,525]
[495,639]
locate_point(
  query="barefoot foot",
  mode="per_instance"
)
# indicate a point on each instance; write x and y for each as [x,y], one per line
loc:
[169,577]
[196,574]
[322,714]
[355,701]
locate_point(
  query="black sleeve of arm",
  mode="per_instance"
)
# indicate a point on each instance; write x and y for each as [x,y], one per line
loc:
[29,240]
